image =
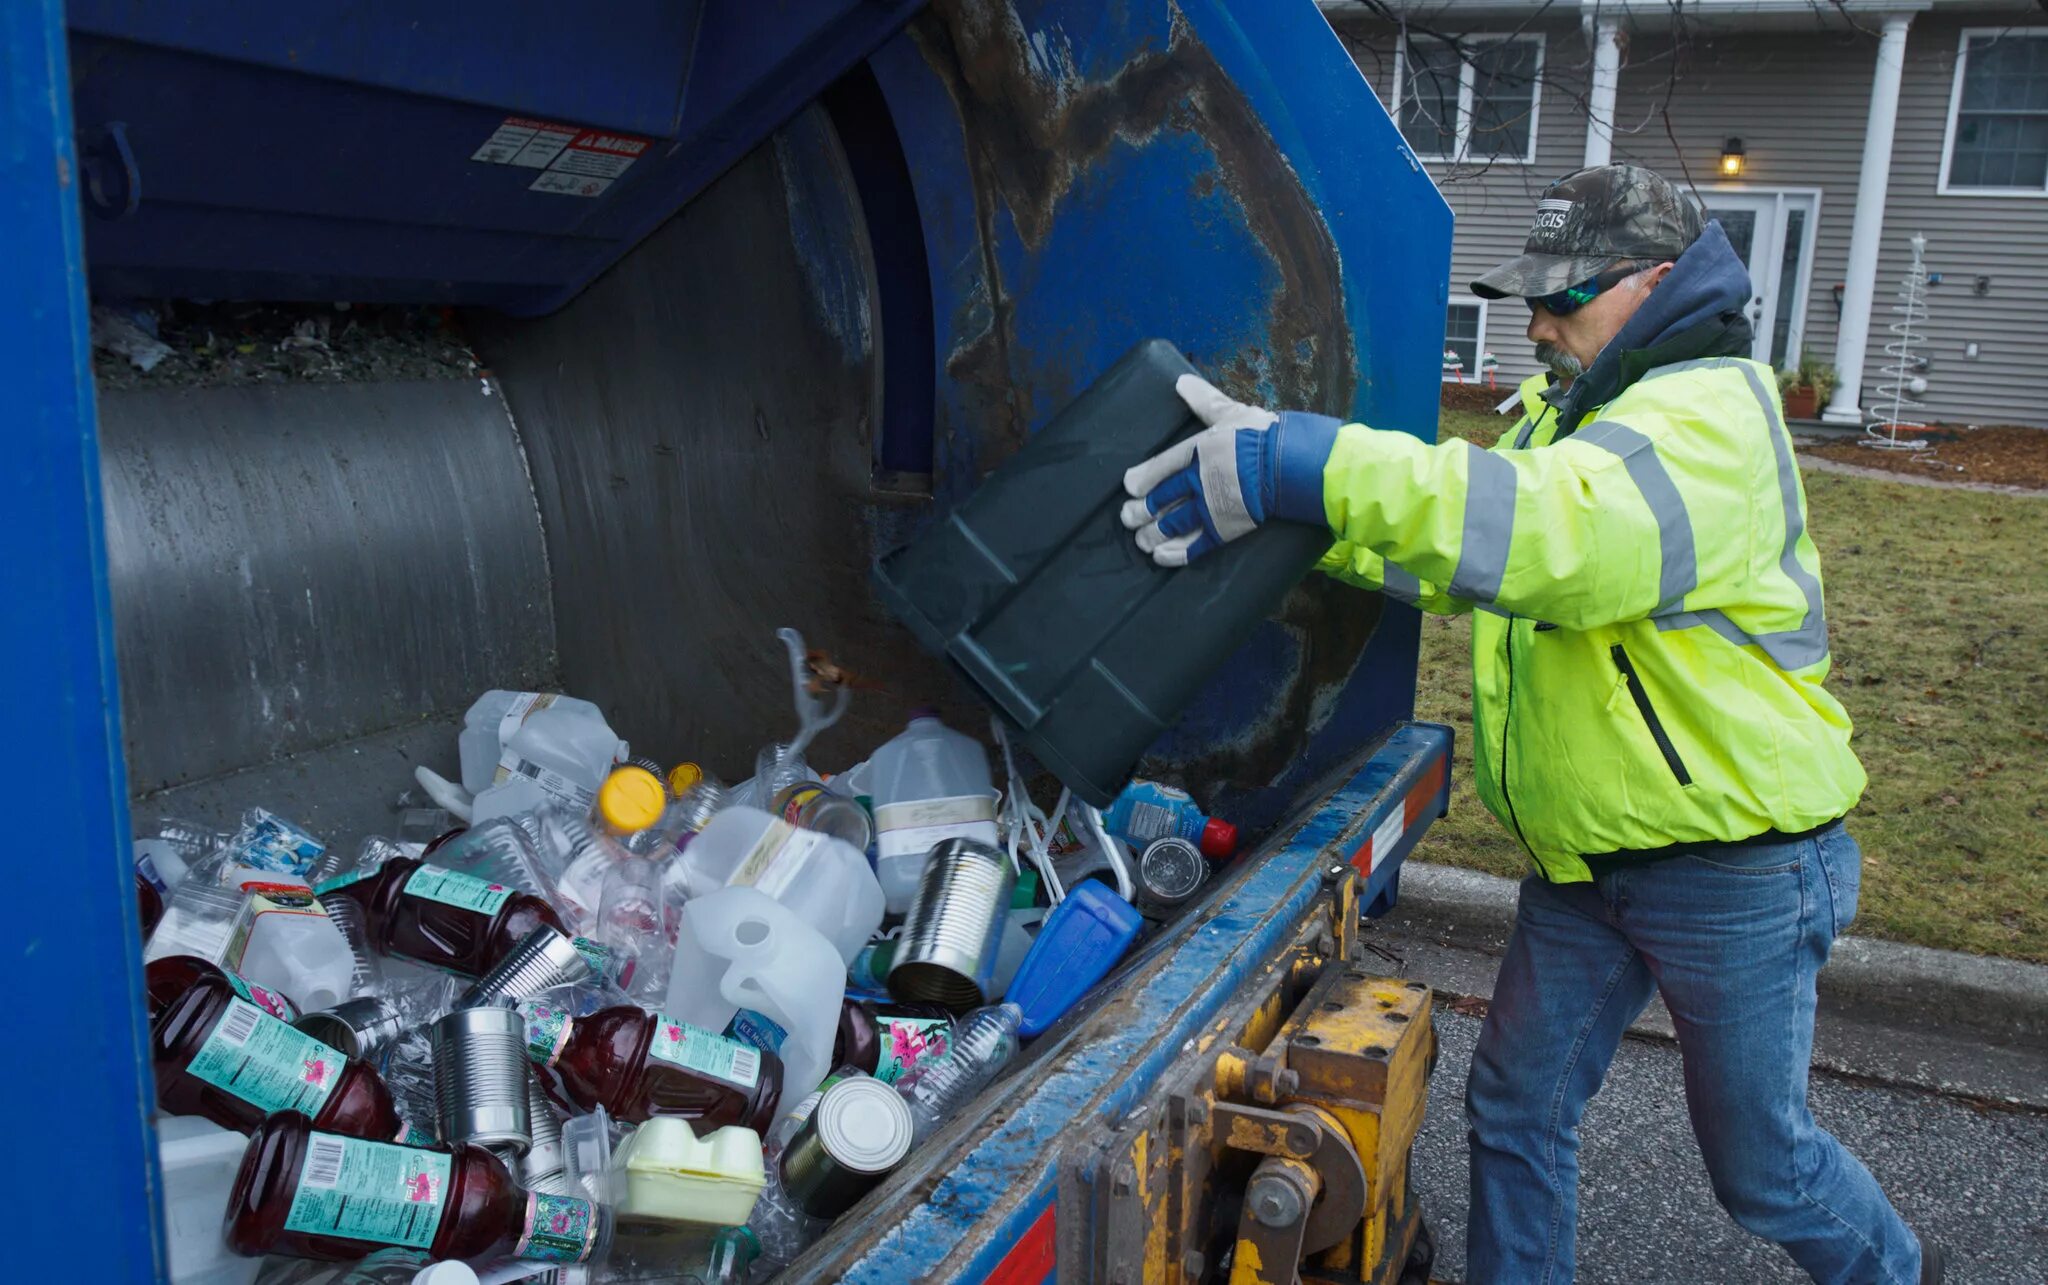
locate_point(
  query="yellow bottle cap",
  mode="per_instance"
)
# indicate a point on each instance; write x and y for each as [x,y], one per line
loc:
[682,777]
[631,799]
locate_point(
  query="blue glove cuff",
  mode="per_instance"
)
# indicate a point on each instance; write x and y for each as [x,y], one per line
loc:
[1297,447]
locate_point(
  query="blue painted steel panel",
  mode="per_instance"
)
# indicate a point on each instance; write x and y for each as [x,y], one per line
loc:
[324,151]
[991,1197]
[76,1083]
[1088,176]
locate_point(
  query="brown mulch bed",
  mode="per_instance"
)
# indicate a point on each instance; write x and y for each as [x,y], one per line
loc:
[2002,455]
[1474,396]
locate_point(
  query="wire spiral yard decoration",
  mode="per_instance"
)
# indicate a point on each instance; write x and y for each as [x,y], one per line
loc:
[1892,429]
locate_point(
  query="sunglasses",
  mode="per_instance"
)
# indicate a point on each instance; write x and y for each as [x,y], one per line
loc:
[1569,300]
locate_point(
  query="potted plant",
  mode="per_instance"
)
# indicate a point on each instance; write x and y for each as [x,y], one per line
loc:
[1805,390]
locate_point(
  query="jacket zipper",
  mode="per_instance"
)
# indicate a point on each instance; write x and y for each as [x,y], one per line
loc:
[1507,718]
[1649,713]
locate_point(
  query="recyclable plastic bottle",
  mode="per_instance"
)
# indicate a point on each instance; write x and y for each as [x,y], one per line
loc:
[284,939]
[309,1193]
[888,1041]
[825,881]
[559,756]
[984,1045]
[221,1056]
[1147,810]
[440,917]
[638,1064]
[492,728]
[930,783]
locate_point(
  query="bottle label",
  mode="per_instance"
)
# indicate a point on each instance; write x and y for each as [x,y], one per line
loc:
[268,1000]
[547,1029]
[911,829]
[910,1041]
[696,1049]
[260,898]
[453,888]
[757,1029]
[562,1228]
[764,863]
[524,706]
[605,962]
[373,1191]
[269,842]
[411,1135]
[326,886]
[561,789]
[145,862]
[264,1062]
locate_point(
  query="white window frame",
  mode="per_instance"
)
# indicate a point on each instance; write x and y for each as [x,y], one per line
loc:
[1473,375]
[1955,104]
[1467,73]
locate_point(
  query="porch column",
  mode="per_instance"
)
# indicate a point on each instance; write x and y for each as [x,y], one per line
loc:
[1600,94]
[1859,290]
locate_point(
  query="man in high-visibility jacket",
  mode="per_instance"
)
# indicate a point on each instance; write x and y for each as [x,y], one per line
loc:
[1649,720]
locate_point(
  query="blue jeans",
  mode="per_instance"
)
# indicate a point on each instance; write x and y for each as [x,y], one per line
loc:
[1732,939]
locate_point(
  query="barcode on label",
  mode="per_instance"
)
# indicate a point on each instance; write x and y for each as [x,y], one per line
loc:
[323,1161]
[1150,821]
[240,1023]
[530,771]
[746,1065]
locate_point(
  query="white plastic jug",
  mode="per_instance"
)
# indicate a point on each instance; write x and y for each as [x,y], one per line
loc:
[740,948]
[493,720]
[285,941]
[823,879]
[199,1161]
[559,754]
[929,783]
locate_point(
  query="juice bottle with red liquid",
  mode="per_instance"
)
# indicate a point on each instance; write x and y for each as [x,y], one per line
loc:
[439,917]
[308,1193]
[886,1041]
[220,1053]
[638,1064]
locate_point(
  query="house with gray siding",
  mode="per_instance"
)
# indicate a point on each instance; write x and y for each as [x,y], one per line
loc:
[1824,134]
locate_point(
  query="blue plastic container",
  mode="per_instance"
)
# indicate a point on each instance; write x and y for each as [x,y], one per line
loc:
[1082,940]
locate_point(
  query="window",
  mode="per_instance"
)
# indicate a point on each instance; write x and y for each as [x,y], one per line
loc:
[1997,140]
[1470,101]
[1464,335]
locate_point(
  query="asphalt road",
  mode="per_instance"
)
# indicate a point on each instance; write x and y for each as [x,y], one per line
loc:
[1974,1179]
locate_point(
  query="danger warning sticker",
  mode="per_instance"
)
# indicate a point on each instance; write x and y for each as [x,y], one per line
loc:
[573,161]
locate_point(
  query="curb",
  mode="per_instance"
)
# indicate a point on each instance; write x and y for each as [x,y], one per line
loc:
[1866,978]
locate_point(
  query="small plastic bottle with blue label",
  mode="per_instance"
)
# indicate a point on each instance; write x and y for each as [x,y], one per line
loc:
[1147,810]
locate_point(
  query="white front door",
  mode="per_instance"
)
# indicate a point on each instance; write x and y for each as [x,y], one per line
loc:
[1772,231]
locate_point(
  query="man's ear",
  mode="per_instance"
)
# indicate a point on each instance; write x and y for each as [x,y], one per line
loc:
[1657,275]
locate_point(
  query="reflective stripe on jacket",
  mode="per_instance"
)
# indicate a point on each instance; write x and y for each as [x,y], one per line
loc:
[1650,642]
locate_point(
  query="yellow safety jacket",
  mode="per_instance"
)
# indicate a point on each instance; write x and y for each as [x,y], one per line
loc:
[1650,644]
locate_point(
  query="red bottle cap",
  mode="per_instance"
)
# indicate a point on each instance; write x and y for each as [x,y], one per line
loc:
[1219,839]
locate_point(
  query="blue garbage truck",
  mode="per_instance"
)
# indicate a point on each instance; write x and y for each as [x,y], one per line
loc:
[755,292]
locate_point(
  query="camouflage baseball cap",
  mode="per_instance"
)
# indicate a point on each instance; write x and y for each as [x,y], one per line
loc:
[1589,221]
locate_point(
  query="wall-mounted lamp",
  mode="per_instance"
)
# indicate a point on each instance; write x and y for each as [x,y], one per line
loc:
[1732,158]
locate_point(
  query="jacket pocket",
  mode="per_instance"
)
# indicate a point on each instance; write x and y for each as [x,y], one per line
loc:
[1649,713]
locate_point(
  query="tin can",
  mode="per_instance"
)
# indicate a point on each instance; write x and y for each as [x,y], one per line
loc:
[1170,871]
[858,1131]
[954,930]
[480,1078]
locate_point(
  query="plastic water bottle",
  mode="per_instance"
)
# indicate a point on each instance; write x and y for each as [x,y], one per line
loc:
[983,1045]
[1147,810]
[824,880]
[930,784]
[559,755]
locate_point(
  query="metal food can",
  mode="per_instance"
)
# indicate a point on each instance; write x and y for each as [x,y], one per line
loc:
[954,930]
[480,1078]
[858,1131]
[1170,871]
[360,1027]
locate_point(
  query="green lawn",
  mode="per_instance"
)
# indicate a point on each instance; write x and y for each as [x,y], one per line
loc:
[1938,608]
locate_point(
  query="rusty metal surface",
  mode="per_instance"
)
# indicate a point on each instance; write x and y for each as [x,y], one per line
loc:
[1090,176]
